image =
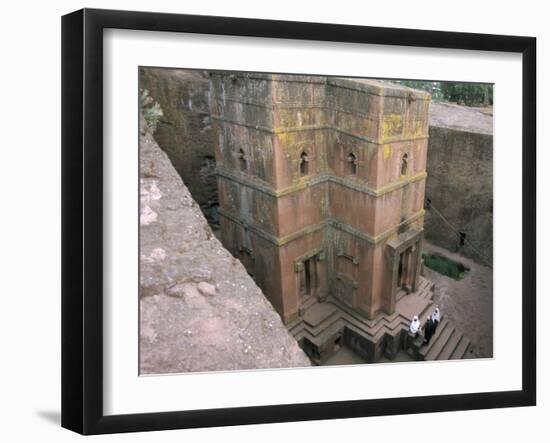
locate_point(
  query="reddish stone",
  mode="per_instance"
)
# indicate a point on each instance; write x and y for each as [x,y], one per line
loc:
[321,184]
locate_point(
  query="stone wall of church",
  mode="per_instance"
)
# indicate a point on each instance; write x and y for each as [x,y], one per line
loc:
[325,170]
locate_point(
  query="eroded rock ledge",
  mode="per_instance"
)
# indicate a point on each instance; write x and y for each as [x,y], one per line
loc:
[199,309]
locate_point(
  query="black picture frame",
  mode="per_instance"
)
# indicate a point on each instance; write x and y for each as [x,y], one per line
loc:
[82,218]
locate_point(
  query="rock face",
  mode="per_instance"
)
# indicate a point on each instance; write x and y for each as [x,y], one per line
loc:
[460,181]
[185,132]
[199,309]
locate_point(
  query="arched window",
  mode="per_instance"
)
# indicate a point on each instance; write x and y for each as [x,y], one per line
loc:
[304,163]
[351,164]
[404,164]
[242,160]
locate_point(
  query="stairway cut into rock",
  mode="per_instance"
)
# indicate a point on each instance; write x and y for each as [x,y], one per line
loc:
[448,343]
[322,321]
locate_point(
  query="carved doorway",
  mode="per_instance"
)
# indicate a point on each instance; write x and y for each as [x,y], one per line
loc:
[308,278]
[311,276]
[405,257]
[404,274]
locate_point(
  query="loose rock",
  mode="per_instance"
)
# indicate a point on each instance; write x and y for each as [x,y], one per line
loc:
[207,289]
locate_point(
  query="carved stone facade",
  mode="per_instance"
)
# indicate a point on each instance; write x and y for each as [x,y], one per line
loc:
[321,187]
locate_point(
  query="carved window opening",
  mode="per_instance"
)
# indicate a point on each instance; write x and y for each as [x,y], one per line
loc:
[304,164]
[351,164]
[461,239]
[242,160]
[404,164]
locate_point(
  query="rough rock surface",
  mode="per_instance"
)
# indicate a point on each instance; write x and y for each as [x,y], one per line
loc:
[185,132]
[460,181]
[462,118]
[199,309]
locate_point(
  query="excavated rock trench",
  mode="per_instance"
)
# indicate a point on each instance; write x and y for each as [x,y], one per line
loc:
[185,324]
[185,131]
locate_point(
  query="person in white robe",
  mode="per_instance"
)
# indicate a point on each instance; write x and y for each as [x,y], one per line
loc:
[415,325]
[436,316]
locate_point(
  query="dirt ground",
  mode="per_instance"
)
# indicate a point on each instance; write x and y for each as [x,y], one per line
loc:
[467,302]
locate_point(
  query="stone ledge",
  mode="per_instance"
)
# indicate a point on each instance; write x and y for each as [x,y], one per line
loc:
[331,222]
[286,130]
[317,180]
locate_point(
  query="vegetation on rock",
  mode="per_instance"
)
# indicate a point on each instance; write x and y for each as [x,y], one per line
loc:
[152,112]
[469,94]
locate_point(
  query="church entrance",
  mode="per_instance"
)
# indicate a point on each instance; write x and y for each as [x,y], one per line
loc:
[310,271]
[405,275]
[405,254]
[308,278]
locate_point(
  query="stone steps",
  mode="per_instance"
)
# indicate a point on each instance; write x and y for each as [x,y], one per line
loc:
[400,294]
[393,329]
[425,289]
[338,319]
[331,317]
[461,349]
[450,346]
[321,335]
[297,322]
[428,310]
[353,315]
[371,324]
[392,325]
[425,349]
[426,293]
[448,343]
[425,285]
[303,328]
[344,316]
[440,343]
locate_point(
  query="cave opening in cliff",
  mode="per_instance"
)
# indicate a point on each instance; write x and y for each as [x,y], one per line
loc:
[462,239]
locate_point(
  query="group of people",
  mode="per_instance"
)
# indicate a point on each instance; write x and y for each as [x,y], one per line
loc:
[429,327]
